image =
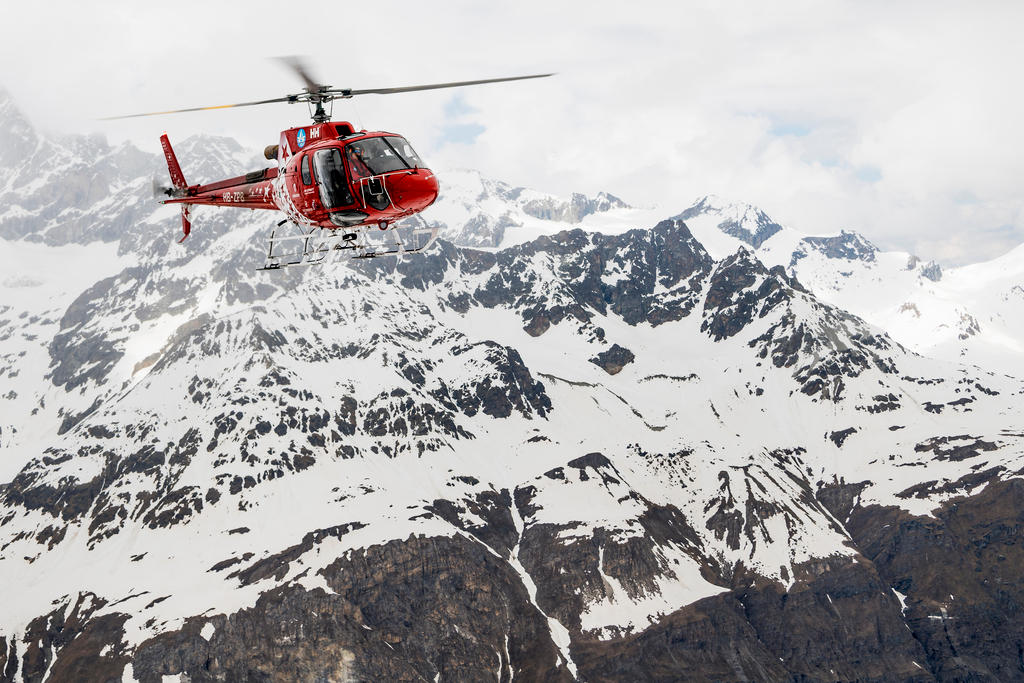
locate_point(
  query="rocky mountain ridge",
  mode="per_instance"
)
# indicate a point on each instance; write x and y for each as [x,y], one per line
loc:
[963,314]
[474,211]
[586,456]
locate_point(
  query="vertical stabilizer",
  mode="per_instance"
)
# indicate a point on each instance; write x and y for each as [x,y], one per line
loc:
[177,177]
[179,184]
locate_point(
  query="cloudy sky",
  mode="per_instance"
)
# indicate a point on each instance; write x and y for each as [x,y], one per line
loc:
[902,120]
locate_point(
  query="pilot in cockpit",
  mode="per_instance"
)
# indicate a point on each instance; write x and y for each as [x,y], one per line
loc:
[359,167]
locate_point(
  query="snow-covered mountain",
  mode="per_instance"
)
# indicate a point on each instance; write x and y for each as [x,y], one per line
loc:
[611,452]
[479,212]
[971,314]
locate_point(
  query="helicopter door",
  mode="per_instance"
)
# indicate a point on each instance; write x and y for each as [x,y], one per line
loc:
[308,191]
[335,194]
[330,177]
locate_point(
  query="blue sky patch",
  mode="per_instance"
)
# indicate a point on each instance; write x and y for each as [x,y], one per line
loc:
[965,197]
[456,106]
[461,133]
[790,128]
[459,130]
[869,174]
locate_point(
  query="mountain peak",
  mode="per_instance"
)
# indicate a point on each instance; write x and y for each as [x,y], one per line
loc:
[745,222]
[846,245]
[17,136]
[9,110]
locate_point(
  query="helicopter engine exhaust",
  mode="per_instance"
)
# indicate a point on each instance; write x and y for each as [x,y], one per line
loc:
[270,151]
[160,191]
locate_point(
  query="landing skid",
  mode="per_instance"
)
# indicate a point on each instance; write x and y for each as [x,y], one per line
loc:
[320,246]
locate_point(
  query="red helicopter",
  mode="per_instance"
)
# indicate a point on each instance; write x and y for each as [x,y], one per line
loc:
[332,182]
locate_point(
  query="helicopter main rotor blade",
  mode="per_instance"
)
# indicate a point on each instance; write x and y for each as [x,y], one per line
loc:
[317,93]
[432,86]
[286,98]
[296,64]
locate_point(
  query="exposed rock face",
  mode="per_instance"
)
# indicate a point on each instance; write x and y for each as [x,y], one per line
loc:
[759,633]
[932,271]
[958,571]
[474,211]
[741,290]
[744,222]
[386,614]
[614,359]
[573,211]
[88,645]
[871,642]
[850,272]
[846,245]
[481,230]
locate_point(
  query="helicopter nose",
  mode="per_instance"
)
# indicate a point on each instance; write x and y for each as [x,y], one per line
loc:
[413,191]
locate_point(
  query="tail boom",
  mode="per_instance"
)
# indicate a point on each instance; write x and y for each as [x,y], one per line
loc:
[251,191]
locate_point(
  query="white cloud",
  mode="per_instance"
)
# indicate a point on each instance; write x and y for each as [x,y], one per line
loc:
[877,116]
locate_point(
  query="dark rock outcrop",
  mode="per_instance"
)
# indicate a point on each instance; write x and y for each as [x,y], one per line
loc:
[614,359]
[959,571]
[406,611]
[845,245]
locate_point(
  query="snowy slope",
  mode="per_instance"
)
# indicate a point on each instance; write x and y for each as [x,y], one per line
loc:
[968,314]
[354,400]
[475,211]
[525,457]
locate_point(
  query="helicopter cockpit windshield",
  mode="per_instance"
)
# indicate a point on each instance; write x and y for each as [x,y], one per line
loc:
[405,150]
[330,174]
[375,156]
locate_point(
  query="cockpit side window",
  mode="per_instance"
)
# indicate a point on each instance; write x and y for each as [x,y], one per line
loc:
[306,179]
[330,175]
